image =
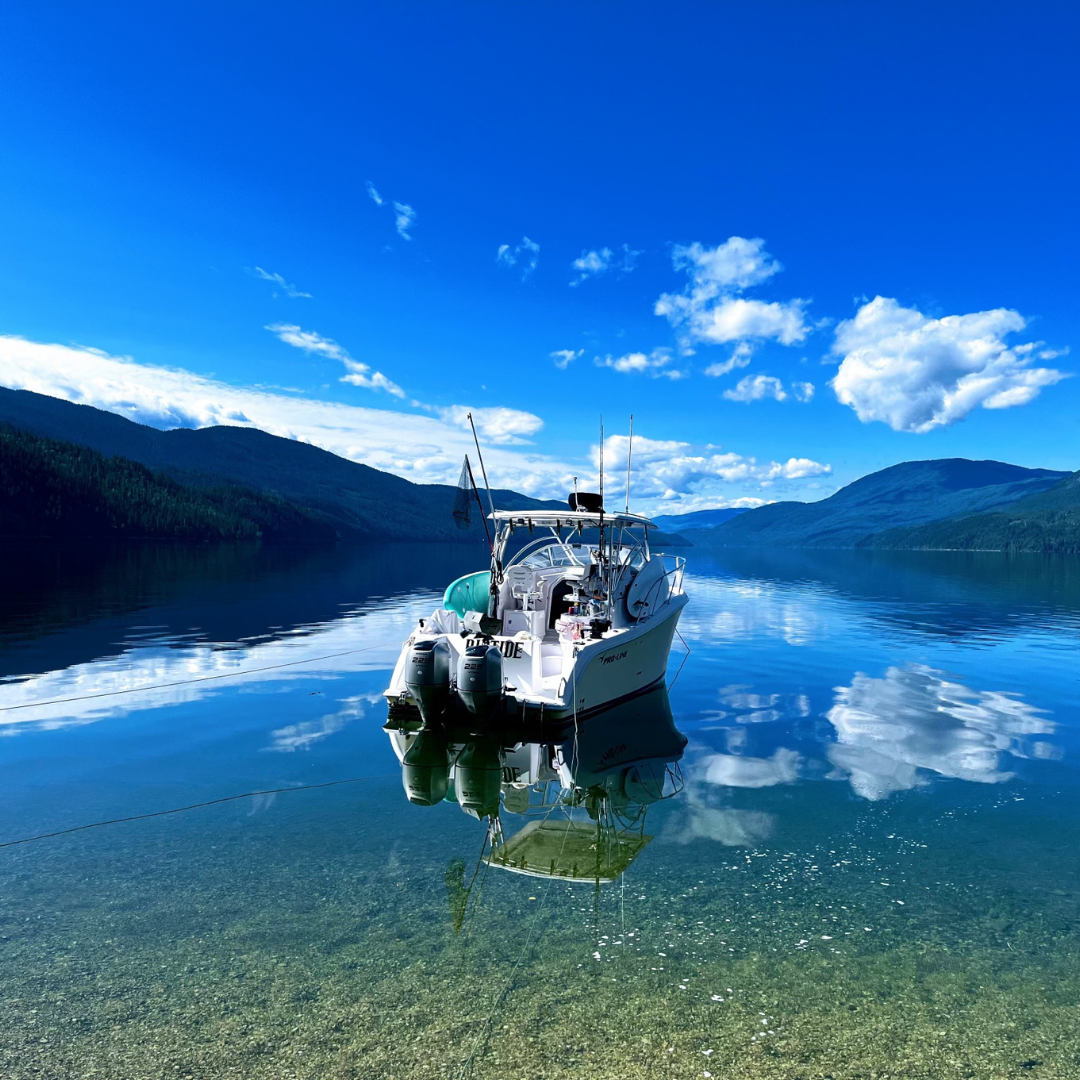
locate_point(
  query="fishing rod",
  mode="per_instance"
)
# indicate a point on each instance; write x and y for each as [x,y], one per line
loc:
[483,471]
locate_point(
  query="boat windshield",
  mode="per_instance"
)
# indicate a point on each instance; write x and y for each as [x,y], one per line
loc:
[557,554]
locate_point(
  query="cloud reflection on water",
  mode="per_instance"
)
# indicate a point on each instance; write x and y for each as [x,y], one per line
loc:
[150,674]
[916,718]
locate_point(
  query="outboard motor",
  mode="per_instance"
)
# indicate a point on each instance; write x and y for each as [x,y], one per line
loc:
[478,777]
[427,677]
[480,679]
[425,768]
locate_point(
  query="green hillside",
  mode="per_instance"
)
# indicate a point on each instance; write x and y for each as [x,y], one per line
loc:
[53,488]
[1047,522]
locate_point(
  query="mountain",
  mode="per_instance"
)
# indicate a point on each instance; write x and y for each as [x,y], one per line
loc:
[1047,522]
[361,503]
[911,493]
[697,519]
[52,488]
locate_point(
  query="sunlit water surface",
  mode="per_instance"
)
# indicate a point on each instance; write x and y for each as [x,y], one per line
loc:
[871,870]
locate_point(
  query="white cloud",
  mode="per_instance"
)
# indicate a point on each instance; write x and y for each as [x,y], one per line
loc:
[565,357]
[915,373]
[594,263]
[527,253]
[289,290]
[711,308]
[669,470]
[757,388]
[497,425]
[359,374]
[739,358]
[917,718]
[308,340]
[404,216]
[654,364]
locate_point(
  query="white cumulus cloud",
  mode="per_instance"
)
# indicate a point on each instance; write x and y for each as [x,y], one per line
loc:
[375,197]
[916,373]
[594,263]
[757,388]
[498,425]
[526,254]
[711,309]
[357,373]
[277,279]
[655,364]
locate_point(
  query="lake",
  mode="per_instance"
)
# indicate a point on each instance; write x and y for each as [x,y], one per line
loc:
[866,866]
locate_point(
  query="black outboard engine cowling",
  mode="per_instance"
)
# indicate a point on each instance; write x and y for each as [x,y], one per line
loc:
[480,679]
[427,676]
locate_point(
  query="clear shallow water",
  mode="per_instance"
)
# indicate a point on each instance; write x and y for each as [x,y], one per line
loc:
[871,870]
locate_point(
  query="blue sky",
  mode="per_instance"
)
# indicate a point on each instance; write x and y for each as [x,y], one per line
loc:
[219,213]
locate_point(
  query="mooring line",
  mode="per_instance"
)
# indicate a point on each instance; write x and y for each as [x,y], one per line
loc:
[686,656]
[189,682]
[193,806]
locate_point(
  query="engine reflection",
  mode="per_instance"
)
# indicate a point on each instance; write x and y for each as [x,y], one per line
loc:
[569,803]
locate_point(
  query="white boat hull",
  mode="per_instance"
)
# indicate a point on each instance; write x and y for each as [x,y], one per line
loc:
[559,679]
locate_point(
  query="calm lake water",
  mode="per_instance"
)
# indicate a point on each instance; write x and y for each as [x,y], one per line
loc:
[870,870]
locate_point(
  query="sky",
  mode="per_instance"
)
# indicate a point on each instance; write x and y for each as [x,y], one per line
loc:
[798,242]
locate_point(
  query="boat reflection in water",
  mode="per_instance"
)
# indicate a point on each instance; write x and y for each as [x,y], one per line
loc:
[568,803]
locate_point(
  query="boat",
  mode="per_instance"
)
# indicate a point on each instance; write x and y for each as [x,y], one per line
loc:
[575,613]
[582,800]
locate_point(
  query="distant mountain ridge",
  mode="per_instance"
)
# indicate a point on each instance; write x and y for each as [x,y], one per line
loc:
[360,502]
[912,493]
[698,519]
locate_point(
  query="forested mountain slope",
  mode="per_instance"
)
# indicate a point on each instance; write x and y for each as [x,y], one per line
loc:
[361,502]
[56,489]
[911,493]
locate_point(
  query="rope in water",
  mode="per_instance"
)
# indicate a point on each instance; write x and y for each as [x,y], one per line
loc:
[198,679]
[193,806]
[686,656]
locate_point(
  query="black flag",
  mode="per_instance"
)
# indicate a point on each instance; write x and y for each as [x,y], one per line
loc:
[463,497]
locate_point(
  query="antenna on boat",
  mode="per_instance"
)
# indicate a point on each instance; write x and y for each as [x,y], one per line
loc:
[629,455]
[483,471]
[601,466]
